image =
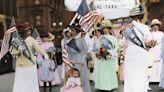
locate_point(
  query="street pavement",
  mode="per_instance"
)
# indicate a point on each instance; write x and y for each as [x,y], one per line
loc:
[6,85]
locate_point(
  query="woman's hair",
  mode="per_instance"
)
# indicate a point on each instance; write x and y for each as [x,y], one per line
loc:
[155,24]
[140,17]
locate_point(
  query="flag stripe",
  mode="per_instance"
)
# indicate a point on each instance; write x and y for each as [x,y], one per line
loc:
[5,42]
[90,21]
[65,57]
[86,18]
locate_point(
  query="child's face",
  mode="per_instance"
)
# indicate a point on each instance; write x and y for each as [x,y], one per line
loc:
[75,74]
[45,39]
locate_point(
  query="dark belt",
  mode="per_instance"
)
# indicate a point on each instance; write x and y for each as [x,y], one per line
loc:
[150,66]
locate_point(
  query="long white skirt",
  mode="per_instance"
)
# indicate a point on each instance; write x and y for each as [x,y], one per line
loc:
[135,67]
[156,71]
[26,80]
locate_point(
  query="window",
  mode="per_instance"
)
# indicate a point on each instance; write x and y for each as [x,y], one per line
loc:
[38,20]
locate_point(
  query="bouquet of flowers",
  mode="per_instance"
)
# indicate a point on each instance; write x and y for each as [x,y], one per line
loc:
[103,53]
[151,44]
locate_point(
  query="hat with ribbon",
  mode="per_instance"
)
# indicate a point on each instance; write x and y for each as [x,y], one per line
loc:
[137,10]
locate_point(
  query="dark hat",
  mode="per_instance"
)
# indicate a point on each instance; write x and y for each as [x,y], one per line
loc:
[137,10]
[77,28]
[23,27]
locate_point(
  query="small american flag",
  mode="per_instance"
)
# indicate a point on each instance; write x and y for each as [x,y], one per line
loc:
[5,43]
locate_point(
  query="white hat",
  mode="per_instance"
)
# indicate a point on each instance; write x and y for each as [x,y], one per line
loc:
[137,10]
[155,21]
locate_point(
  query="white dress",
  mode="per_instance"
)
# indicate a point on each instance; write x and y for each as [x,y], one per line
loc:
[157,64]
[135,64]
[27,77]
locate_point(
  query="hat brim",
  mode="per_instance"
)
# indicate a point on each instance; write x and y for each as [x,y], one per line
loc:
[25,30]
[76,28]
[157,23]
[136,14]
[106,27]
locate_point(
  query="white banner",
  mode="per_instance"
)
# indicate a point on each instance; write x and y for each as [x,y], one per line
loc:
[111,9]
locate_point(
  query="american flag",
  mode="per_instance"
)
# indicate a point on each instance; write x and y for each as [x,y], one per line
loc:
[65,58]
[84,17]
[5,43]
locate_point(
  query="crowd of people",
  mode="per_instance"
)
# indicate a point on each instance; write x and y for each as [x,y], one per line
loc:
[134,54]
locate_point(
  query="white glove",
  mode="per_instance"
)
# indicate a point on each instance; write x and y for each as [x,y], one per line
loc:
[46,56]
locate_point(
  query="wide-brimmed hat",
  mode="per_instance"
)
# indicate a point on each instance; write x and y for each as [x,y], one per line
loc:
[106,24]
[155,22]
[78,29]
[23,27]
[137,10]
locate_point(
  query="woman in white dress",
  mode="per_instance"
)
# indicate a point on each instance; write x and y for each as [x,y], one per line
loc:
[156,36]
[136,56]
[26,79]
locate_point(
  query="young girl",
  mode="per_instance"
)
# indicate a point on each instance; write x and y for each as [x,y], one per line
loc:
[73,83]
[48,67]
[46,44]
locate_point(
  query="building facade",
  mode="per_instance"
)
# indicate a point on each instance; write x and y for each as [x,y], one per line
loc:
[37,12]
[45,15]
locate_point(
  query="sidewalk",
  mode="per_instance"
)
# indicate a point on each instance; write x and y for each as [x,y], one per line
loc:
[6,82]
